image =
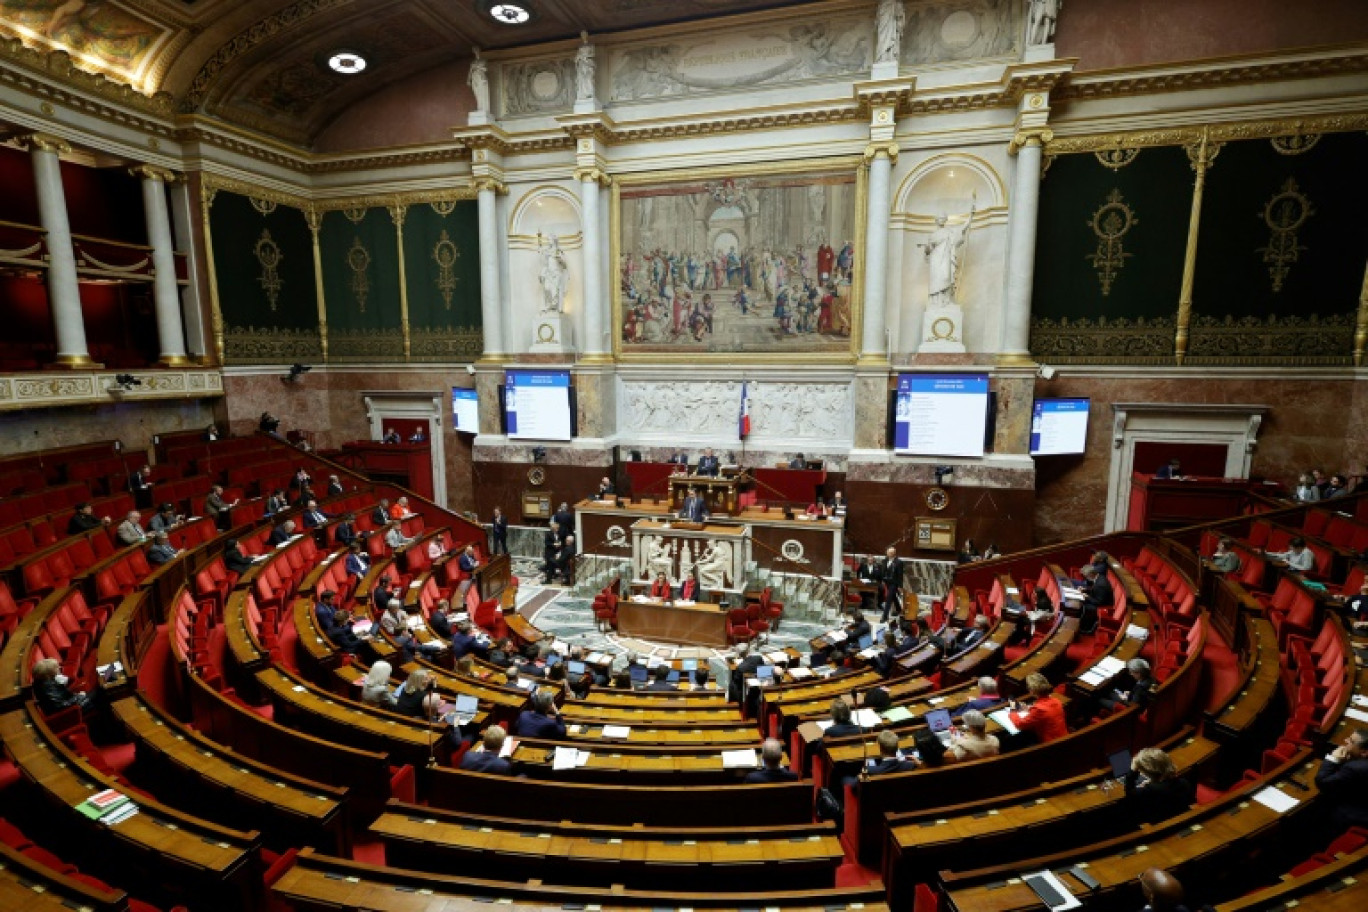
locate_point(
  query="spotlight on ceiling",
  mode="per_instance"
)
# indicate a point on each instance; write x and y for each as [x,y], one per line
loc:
[510,13]
[348,63]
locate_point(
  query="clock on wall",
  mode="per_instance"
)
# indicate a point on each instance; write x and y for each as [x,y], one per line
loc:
[937,498]
[536,475]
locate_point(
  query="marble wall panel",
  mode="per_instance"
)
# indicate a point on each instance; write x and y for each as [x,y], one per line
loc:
[134,423]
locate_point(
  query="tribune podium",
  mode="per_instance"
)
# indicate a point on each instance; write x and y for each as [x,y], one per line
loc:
[718,493]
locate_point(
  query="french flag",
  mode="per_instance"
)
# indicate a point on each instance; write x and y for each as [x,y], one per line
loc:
[745,410]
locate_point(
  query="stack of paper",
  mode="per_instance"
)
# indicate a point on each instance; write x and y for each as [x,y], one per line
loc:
[897,714]
[617,731]
[1357,715]
[745,758]
[1276,800]
[835,636]
[866,718]
[1136,632]
[109,807]
[1107,667]
[1072,594]
[568,758]
[800,673]
[1001,717]
[777,658]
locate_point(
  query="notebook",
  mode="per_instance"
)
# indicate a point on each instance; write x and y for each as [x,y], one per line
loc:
[1120,763]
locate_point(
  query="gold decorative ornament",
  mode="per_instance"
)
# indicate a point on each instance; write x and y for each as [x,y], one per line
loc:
[1295,144]
[536,476]
[1110,223]
[443,207]
[1116,159]
[262,206]
[937,498]
[445,254]
[355,214]
[268,256]
[546,333]
[1284,213]
[358,261]
[943,328]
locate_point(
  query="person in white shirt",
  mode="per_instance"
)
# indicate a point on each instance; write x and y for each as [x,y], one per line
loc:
[1297,556]
[394,536]
[435,548]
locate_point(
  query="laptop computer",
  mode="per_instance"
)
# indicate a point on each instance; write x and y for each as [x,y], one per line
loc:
[553,660]
[688,664]
[938,720]
[466,709]
[1120,763]
[866,641]
[575,667]
[673,676]
[765,672]
[639,674]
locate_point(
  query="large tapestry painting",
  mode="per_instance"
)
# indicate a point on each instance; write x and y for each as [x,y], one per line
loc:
[102,36]
[738,264]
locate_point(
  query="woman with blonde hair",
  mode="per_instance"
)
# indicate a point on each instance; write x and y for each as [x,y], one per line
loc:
[410,699]
[375,687]
[1154,790]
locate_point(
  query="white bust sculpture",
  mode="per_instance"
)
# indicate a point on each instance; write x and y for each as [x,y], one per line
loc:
[552,277]
[891,18]
[584,69]
[944,256]
[478,80]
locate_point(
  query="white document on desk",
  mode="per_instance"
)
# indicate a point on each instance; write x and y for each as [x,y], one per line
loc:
[1357,715]
[617,731]
[565,758]
[867,718]
[1276,800]
[740,759]
[1001,717]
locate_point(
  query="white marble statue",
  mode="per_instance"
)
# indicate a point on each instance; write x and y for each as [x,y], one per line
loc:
[1040,27]
[553,270]
[714,566]
[945,257]
[584,69]
[686,560]
[478,79]
[891,18]
[660,558]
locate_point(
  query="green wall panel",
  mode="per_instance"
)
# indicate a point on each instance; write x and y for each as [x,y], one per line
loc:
[442,267]
[360,253]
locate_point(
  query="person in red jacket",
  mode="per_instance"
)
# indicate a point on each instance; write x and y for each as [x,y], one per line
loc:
[1046,716]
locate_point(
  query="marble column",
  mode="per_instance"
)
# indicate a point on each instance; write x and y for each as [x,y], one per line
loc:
[874,341]
[592,345]
[491,297]
[165,290]
[192,307]
[1022,217]
[64,291]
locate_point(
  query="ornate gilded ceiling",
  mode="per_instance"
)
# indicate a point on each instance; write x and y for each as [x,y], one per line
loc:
[263,63]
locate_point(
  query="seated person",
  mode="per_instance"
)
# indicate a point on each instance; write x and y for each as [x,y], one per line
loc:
[439,619]
[688,589]
[1099,598]
[340,631]
[51,692]
[313,516]
[1297,556]
[708,464]
[165,519]
[502,653]
[1162,891]
[606,489]
[661,588]
[395,538]
[358,562]
[1223,559]
[973,741]
[375,687]
[400,509]
[345,532]
[930,749]
[1307,492]
[819,509]
[485,758]
[1343,781]
[991,552]
[1154,790]
[84,519]
[380,515]
[1045,718]
[968,553]
[797,461]
[436,549]
[234,559]
[1171,470]
[1141,690]
[841,726]
[1356,606]
[988,696]
[661,677]
[973,636]
[130,531]
[772,770]
[1335,487]
[161,551]
[281,533]
[890,760]
[886,661]
[465,642]
[417,697]
[542,720]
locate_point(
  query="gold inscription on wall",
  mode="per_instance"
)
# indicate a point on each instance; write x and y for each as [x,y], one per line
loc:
[268,256]
[1284,213]
[445,253]
[1110,223]
[358,261]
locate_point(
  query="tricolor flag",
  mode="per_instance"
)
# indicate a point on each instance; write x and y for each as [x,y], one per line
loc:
[745,410]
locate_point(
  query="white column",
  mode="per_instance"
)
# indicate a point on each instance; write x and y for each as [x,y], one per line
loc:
[64,291]
[1021,243]
[183,228]
[491,309]
[874,343]
[165,291]
[594,303]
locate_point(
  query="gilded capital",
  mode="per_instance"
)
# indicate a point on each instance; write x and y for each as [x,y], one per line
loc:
[480,184]
[1029,136]
[593,174]
[875,149]
[44,142]
[314,218]
[152,172]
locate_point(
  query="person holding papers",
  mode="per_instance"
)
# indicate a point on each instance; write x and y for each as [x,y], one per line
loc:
[1045,718]
[541,721]
[772,756]
[1297,556]
[400,509]
[161,551]
[464,642]
[395,537]
[486,758]
[1141,690]
[1154,790]
[1343,779]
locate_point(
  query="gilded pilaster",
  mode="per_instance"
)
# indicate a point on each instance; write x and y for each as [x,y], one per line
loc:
[207,194]
[1361,329]
[1201,154]
[315,220]
[397,213]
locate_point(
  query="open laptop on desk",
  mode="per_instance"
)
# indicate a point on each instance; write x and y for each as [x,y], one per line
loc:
[639,675]
[465,710]
[575,667]
[1120,764]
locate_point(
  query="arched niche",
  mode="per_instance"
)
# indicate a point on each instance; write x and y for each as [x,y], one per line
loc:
[548,210]
[945,185]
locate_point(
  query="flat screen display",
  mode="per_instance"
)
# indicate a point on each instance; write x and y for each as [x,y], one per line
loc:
[940,414]
[1059,426]
[537,405]
[465,410]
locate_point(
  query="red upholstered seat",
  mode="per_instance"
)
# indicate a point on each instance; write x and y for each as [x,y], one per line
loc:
[738,626]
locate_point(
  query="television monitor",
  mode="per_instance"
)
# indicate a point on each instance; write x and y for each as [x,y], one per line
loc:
[538,405]
[465,410]
[1059,426]
[941,414]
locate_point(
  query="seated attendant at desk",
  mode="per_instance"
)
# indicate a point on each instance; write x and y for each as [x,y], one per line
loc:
[606,489]
[542,720]
[838,504]
[818,509]
[688,589]
[661,588]
[772,756]
[1297,556]
[1169,471]
[708,464]
[694,509]
[678,458]
[485,758]
[797,461]
[1045,718]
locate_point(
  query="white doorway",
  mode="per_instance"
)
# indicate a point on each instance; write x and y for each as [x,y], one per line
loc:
[413,406]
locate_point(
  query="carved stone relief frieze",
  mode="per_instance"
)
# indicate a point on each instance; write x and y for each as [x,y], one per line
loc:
[781,413]
[539,87]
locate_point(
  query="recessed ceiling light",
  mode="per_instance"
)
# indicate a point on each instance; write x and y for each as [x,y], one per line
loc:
[348,63]
[510,13]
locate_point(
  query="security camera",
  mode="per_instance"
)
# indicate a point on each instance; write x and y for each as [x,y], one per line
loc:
[1047,372]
